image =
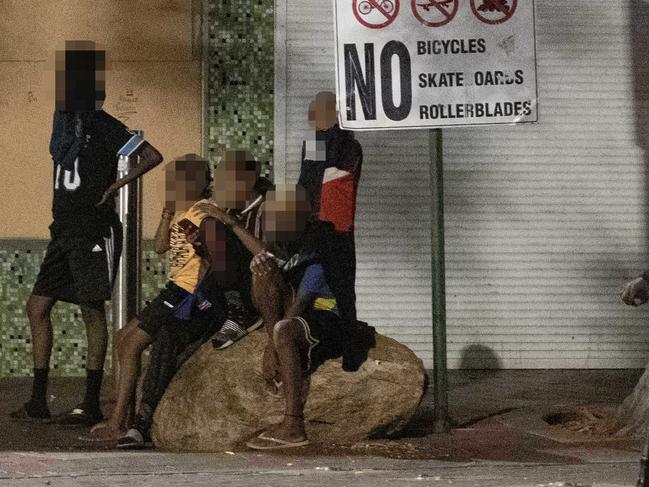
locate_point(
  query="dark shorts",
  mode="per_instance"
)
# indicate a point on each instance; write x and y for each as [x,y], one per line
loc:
[325,332]
[206,312]
[80,269]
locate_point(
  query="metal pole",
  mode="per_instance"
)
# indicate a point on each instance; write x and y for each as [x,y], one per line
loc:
[440,373]
[643,476]
[126,293]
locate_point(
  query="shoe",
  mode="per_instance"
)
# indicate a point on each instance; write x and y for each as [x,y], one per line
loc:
[80,415]
[266,442]
[139,434]
[32,413]
[134,440]
[232,332]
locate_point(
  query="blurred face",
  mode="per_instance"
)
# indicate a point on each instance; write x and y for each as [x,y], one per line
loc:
[286,213]
[322,111]
[80,77]
[185,180]
[234,180]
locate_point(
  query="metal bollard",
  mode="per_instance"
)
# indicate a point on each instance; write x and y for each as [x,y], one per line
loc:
[126,292]
[643,476]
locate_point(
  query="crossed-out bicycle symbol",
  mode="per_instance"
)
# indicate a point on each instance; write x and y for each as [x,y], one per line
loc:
[366,7]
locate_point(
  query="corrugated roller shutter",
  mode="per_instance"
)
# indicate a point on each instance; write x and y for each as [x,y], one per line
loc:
[544,222]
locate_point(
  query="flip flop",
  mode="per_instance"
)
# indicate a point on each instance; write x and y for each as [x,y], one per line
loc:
[92,438]
[264,442]
[79,416]
[133,440]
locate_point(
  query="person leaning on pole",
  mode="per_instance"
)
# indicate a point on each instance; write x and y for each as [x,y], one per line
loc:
[86,235]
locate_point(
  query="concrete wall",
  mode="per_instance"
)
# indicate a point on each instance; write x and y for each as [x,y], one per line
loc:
[154,85]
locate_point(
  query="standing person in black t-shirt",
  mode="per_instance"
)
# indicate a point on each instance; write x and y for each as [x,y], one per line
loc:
[86,234]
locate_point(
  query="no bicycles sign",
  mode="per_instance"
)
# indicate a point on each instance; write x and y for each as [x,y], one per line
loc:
[409,64]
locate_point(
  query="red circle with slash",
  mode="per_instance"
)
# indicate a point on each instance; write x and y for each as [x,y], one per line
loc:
[375,14]
[506,12]
[426,10]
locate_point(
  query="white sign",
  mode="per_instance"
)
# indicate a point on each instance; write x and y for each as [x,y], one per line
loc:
[414,64]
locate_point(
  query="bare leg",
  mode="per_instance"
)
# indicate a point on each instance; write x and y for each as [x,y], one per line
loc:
[139,391]
[38,312]
[292,348]
[132,341]
[272,296]
[94,317]
[285,352]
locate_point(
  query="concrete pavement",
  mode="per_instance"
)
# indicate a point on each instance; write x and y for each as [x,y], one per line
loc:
[500,439]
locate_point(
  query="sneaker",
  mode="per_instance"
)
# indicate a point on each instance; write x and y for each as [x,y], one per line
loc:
[80,415]
[232,332]
[32,413]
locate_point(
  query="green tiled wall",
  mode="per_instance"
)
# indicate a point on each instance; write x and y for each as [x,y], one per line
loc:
[239,115]
[240,79]
[19,264]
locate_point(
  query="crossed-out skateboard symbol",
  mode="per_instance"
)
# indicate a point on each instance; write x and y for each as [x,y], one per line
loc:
[435,13]
[375,14]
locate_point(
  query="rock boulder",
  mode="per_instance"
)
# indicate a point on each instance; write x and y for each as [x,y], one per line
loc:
[217,400]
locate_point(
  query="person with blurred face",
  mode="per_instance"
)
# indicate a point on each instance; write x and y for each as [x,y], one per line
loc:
[187,179]
[330,172]
[185,302]
[173,344]
[239,191]
[203,266]
[299,309]
[86,234]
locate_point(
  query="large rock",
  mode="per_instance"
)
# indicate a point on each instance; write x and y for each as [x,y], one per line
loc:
[217,401]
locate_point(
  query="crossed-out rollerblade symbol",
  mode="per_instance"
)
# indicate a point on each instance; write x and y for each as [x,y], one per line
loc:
[494,11]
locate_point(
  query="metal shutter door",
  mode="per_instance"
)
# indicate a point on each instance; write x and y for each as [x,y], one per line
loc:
[544,223]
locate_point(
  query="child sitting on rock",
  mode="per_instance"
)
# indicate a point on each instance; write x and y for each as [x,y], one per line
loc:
[299,310]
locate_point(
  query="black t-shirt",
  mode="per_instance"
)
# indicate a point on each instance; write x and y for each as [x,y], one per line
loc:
[78,190]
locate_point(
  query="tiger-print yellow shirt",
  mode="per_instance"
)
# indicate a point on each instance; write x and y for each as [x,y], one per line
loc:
[186,268]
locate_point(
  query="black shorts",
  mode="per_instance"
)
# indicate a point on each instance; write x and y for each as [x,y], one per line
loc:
[207,312]
[325,333]
[80,269]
